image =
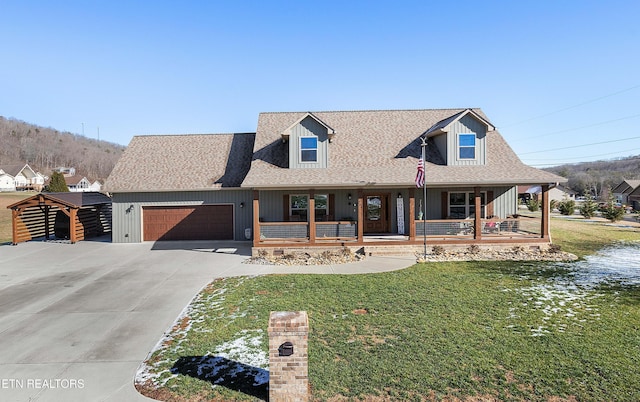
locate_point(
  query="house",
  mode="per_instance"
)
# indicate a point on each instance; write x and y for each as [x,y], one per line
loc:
[95,186]
[557,193]
[626,194]
[325,179]
[7,181]
[77,183]
[24,178]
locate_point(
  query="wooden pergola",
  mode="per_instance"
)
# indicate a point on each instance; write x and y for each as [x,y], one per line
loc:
[88,214]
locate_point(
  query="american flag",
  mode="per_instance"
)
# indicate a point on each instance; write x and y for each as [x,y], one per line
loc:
[420,174]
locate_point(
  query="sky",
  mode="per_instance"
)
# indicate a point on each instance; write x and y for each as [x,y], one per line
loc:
[559,79]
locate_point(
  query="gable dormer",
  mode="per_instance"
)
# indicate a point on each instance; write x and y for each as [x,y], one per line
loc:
[308,139]
[462,138]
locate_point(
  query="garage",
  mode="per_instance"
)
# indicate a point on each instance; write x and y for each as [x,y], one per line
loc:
[197,222]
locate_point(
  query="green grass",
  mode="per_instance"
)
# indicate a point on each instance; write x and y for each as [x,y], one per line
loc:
[439,331]
[582,238]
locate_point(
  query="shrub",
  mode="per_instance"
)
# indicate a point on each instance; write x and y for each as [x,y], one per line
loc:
[589,206]
[567,206]
[533,205]
[553,204]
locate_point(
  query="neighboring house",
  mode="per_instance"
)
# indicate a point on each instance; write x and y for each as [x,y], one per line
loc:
[66,171]
[95,186]
[626,194]
[7,182]
[330,179]
[24,177]
[78,184]
[557,193]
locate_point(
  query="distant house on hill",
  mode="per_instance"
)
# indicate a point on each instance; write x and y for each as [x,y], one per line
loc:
[24,178]
[78,184]
[66,171]
[7,182]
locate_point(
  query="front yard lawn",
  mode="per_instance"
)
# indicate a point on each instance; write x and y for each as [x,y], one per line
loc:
[5,214]
[479,331]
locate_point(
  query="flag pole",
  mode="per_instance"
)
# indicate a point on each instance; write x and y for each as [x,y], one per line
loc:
[424,195]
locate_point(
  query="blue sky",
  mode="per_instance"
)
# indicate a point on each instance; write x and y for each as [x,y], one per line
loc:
[549,74]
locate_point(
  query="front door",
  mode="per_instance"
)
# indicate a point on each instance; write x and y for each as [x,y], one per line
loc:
[376,217]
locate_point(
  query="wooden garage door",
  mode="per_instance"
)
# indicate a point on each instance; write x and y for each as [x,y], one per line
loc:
[201,222]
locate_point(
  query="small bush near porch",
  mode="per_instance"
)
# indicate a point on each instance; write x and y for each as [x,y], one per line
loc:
[440,331]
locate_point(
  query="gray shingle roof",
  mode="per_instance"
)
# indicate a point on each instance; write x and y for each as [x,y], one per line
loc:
[182,162]
[381,148]
[15,169]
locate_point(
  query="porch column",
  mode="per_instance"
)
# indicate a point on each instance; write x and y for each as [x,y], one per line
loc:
[72,225]
[477,219]
[46,222]
[360,217]
[15,213]
[256,218]
[312,217]
[412,214]
[544,224]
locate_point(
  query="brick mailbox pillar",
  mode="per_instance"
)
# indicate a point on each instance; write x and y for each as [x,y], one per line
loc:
[288,359]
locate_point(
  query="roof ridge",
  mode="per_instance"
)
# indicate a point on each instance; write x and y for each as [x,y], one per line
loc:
[190,134]
[377,110]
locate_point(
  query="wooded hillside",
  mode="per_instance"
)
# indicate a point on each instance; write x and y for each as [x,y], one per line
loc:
[599,176]
[45,148]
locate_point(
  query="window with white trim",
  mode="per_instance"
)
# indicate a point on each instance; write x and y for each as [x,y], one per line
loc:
[462,205]
[299,206]
[466,146]
[308,149]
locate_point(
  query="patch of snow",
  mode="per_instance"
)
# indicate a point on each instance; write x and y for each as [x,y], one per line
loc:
[564,300]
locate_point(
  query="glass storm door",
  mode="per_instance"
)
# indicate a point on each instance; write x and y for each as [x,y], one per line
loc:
[375,215]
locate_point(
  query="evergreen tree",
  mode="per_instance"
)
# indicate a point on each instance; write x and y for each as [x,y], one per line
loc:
[57,183]
[612,211]
[589,206]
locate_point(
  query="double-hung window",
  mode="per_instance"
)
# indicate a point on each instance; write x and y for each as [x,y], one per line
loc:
[466,146]
[308,149]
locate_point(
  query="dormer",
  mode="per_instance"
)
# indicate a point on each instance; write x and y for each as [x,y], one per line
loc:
[462,138]
[308,139]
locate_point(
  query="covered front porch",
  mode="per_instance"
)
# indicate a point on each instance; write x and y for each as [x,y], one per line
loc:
[395,217]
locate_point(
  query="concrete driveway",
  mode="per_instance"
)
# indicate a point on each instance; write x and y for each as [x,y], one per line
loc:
[77,320]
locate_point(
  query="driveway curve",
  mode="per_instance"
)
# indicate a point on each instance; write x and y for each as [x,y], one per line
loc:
[77,320]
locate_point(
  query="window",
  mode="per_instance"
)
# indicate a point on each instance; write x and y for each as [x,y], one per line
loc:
[466,146]
[462,205]
[299,206]
[308,149]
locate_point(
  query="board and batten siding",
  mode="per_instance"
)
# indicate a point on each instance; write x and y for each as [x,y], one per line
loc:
[308,127]
[466,125]
[505,201]
[127,209]
[271,203]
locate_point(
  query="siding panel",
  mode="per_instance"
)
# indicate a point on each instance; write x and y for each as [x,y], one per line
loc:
[308,127]
[467,125]
[127,216]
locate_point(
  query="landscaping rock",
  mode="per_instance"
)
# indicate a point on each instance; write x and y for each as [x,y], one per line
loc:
[512,254]
[327,257]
